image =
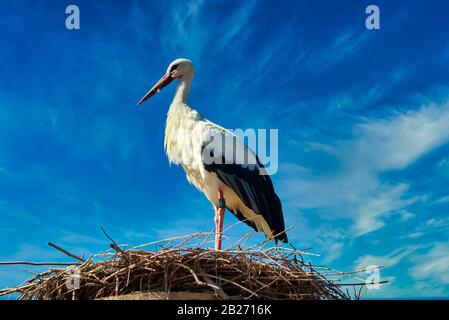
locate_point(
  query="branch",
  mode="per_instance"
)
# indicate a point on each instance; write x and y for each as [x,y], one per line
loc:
[113,245]
[66,252]
[38,263]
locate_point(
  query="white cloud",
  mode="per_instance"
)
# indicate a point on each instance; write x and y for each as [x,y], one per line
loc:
[406,216]
[443,163]
[430,271]
[427,289]
[27,252]
[357,195]
[76,238]
[437,222]
[236,23]
[414,235]
[393,289]
[365,95]
[342,45]
[432,225]
[396,142]
[356,190]
[387,261]
[11,211]
[183,32]
[334,249]
[444,199]
[130,234]
[433,265]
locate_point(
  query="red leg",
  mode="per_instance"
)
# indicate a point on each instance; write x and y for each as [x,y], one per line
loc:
[219,218]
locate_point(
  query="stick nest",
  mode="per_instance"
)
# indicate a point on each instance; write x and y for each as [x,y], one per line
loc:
[183,264]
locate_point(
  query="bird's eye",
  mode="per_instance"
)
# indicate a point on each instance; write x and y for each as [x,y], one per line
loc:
[173,68]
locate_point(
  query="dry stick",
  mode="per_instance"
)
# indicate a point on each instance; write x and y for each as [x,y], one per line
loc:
[206,239]
[89,260]
[127,278]
[234,224]
[57,288]
[276,247]
[71,255]
[12,290]
[32,272]
[247,235]
[217,289]
[358,294]
[188,239]
[39,263]
[336,290]
[200,246]
[167,245]
[267,240]
[116,248]
[349,273]
[236,267]
[228,281]
[198,281]
[116,285]
[302,251]
[113,245]
[360,284]
[116,273]
[168,239]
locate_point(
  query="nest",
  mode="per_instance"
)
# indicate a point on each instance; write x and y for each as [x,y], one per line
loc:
[184,266]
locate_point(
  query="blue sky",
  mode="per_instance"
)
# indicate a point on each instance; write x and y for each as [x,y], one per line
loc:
[363,119]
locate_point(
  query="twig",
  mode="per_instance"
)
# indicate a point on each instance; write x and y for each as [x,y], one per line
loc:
[113,245]
[38,263]
[66,252]
[184,264]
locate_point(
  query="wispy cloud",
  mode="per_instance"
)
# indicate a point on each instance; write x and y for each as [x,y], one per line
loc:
[396,258]
[77,238]
[431,226]
[8,210]
[28,252]
[433,265]
[397,141]
[187,31]
[356,190]
[386,261]
[341,46]
[183,32]
[236,23]
[444,199]
[362,97]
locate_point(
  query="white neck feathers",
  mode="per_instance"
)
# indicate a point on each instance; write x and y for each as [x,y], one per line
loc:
[183,90]
[181,121]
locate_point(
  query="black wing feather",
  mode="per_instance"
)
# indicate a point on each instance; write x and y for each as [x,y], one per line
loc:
[255,189]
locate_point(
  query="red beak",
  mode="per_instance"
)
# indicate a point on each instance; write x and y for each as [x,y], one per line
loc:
[165,80]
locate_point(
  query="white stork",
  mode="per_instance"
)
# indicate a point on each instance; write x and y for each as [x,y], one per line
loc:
[243,189]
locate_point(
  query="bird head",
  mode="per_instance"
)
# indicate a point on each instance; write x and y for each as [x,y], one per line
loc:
[180,69]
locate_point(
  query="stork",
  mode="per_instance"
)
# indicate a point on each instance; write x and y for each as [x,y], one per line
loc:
[246,191]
